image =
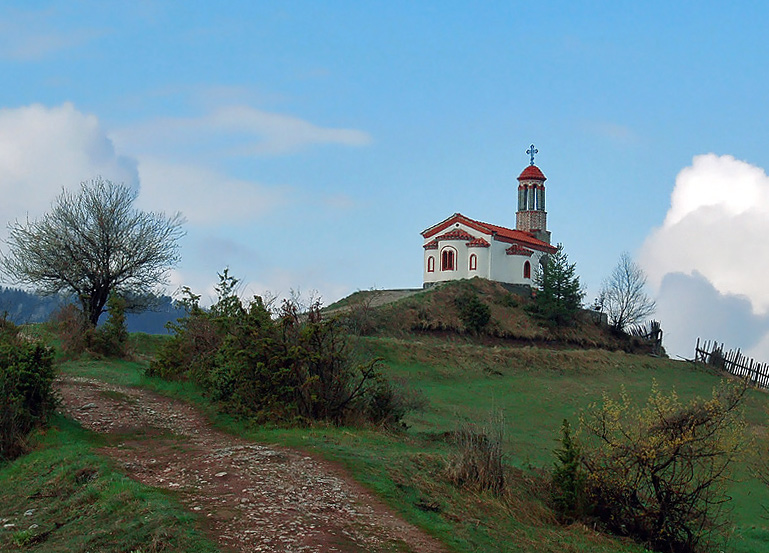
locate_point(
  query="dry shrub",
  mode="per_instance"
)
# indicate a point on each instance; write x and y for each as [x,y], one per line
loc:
[360,317]
[658,472]
[72,329]
[478,464]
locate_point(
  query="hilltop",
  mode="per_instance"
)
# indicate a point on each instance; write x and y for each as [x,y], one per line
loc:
[436,311]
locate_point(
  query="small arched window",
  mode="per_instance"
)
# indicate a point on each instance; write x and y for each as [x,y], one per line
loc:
[473,262]
[431,264]
[527,270]
[448,259]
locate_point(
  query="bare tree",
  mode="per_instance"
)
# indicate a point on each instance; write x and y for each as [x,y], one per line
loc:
[623,295]
[92,243]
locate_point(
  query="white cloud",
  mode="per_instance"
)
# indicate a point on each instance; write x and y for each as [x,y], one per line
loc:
[717,225]
[204,196]
[43,150]
[732,186]
[710,257]
[236,130]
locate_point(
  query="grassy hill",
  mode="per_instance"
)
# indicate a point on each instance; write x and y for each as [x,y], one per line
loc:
[435,312]
[534,375]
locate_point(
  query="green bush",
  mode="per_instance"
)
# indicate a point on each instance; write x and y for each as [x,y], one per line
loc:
[76,335]
[569,479]
[558,296]
[473,313]
[285,366]
[26,389]
[111,339]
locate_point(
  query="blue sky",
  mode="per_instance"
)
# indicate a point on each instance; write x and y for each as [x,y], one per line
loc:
[309,143]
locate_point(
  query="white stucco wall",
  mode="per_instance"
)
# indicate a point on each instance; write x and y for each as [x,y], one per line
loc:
[509,268]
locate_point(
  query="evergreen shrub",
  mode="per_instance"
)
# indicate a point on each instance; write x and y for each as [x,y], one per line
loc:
[283,365]
[473,313]
[27,397]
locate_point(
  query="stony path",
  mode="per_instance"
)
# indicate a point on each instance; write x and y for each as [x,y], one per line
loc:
[254,497]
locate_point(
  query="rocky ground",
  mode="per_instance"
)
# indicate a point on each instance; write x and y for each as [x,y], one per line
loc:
[253,497]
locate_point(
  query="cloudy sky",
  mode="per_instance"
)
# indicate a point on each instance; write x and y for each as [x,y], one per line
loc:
[309,143]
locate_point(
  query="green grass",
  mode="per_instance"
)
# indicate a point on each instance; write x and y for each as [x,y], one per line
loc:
[535,388]
[65,497]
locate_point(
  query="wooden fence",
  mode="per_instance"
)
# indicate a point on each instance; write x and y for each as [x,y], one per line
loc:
[651,332]
[733,362]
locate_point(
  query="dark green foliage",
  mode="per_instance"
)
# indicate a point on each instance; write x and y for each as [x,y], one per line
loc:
[475,314]
[559,295]
[569,480]
[293,367]
[26,389]
[387,402]
[22,307]
[111,339]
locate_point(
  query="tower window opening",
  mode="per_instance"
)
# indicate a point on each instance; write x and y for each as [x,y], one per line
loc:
[431,264]
[527,270]
[473,262]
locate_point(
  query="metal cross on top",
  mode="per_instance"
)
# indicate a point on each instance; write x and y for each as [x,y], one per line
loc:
[532,151]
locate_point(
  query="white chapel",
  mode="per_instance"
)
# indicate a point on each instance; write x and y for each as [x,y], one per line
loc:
[460,247]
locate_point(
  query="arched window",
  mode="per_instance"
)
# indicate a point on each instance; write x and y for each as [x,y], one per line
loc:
[527,270]
[473,262]
[431,264]
[448,259]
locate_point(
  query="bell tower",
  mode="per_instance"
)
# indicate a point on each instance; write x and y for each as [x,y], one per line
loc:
[531,216]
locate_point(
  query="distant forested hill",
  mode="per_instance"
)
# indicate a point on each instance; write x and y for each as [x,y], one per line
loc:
[23,307]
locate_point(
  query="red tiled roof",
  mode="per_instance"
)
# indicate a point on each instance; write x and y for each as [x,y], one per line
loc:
[503,234]
[478,243]
[517,249]
[455,234]
[532,172]
[431,245]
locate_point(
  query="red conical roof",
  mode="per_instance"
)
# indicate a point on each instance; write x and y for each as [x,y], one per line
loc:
[532,172]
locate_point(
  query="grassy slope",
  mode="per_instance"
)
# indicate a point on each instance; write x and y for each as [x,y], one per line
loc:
[407,470]
[81,502]
[535,387]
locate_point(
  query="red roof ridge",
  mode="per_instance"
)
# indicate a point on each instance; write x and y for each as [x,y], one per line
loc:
[503,234]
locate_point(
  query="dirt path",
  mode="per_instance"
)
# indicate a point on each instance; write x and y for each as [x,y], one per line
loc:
[255,498]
